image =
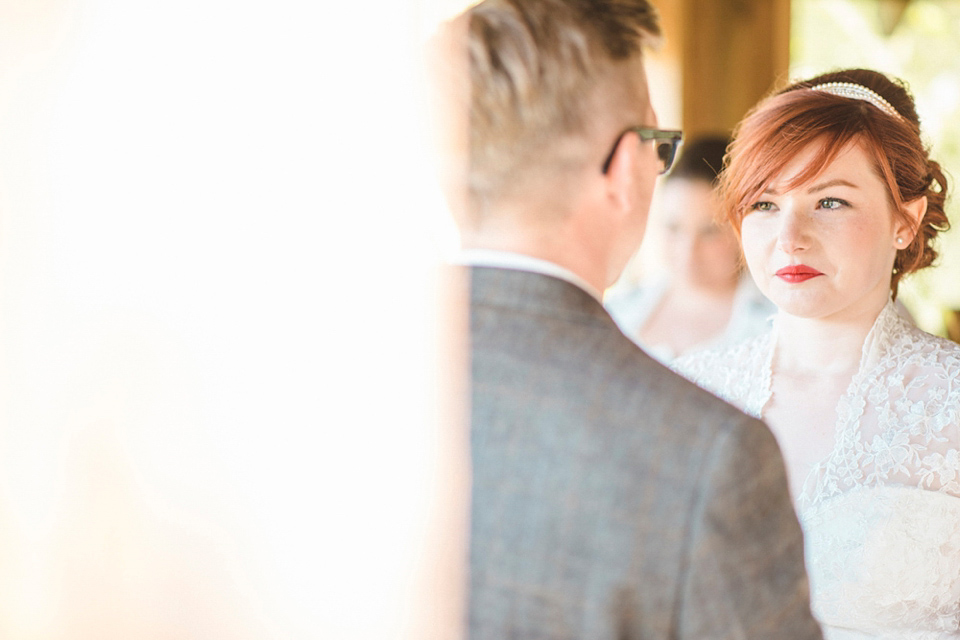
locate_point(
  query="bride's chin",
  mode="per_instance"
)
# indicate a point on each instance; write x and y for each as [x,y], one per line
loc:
[802,307]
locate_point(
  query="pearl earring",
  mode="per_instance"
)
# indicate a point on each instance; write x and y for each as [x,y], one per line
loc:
[899,240]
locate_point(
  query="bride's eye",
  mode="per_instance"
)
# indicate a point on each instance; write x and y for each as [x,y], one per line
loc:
[763,205]
[833,203]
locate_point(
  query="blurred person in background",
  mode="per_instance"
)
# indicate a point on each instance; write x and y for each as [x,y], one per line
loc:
[703,299]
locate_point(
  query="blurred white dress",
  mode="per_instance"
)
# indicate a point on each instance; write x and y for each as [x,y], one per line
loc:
[631,310]
[881,513]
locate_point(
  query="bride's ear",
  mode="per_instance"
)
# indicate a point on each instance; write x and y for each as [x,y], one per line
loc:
[907,229]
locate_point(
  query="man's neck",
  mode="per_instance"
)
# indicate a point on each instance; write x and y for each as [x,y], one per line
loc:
[560,243]
[566,260]
[521,262]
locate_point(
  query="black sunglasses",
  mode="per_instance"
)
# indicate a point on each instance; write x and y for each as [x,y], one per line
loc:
[667,143]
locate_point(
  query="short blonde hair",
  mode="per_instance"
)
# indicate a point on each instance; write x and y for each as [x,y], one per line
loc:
[543,74]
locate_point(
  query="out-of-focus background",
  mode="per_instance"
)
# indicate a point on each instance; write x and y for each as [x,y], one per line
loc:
[222,405]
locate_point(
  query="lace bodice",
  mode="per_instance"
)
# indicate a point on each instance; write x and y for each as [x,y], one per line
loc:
[881,513]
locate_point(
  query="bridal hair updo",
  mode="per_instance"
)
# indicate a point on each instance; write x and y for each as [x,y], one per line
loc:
[781,126]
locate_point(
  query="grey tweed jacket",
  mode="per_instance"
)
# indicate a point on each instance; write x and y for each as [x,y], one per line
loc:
[613,500]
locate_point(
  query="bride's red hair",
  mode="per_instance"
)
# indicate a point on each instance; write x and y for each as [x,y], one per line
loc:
[782,126]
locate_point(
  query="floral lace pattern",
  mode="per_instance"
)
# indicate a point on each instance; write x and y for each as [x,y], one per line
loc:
[881,512]
[885,561]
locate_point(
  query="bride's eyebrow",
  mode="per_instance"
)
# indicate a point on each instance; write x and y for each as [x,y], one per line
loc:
[831,183]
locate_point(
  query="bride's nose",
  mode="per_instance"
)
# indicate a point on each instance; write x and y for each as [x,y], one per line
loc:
[794,232]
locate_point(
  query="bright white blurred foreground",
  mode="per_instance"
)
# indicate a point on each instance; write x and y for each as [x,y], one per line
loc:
[223,383]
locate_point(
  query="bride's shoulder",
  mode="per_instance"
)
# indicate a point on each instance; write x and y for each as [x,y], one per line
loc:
[909,345]
[914,387]
[917,369]
[731,372]
[738,354]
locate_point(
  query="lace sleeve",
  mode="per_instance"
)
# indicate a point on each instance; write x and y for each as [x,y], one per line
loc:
[899,423]
[738,374]
[911,418]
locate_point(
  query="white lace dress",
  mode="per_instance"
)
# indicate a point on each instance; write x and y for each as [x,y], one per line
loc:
[881,513]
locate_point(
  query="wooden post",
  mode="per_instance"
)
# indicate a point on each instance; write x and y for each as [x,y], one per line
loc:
[731,54]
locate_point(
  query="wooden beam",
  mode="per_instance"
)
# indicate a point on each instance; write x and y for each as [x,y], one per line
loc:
[731,54]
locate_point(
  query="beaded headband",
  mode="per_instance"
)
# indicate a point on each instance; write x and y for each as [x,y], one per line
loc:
[858,92]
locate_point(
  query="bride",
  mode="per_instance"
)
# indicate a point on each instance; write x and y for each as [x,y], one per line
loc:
[835,198]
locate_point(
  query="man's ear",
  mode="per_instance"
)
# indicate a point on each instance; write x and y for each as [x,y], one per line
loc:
[622,172]
[914,210]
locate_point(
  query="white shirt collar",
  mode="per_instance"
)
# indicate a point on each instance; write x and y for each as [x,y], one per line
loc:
[522,262]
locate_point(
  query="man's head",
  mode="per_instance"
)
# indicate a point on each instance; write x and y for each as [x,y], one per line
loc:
[549,80]
[554,86]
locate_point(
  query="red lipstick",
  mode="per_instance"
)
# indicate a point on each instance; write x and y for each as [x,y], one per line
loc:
[797,273]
